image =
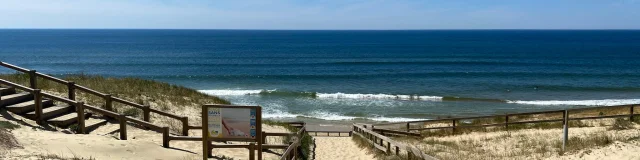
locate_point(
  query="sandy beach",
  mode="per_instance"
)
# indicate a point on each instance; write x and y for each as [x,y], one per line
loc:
[103,143]
[331,148]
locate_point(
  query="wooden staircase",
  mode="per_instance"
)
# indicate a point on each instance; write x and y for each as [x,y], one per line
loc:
[57,114]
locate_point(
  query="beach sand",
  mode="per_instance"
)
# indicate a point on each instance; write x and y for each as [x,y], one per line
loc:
[333,148]
[103,143]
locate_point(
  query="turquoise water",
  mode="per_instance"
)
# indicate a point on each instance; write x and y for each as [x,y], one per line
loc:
[345,75]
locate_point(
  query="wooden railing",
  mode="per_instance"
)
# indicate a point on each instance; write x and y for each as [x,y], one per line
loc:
[328,133]
[455,122]
[80,109]
[72,87]
[294,149]
[388,145]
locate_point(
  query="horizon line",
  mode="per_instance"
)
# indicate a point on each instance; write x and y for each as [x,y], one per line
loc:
[297,29]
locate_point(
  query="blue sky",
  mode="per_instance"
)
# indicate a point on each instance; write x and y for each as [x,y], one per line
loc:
[322,14]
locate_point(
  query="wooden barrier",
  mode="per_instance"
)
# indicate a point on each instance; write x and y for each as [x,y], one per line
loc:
[378,141]
[328,133]
[507,121]
[73,87]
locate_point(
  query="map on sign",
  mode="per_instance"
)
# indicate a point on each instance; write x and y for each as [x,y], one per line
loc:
[231,122]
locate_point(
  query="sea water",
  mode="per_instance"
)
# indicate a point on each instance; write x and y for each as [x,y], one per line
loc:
[356,75]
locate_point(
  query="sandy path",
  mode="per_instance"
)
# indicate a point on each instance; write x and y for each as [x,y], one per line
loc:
[335,148]
[103,144]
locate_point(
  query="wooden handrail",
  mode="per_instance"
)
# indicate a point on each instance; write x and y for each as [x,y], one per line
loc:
[144,124]
[44,76]
[15,85]
[57,98]
[72,87]
[90,91]
[11,66]
[102,111]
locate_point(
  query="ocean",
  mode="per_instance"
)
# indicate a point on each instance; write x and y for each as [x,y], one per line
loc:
[344,76]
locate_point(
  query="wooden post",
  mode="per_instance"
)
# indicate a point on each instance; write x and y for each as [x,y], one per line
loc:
[146,110]
[37,96]
[185,126]
[33,79]
[206,151]
[397,150]
[409,155]
[165,137]
[565,135]
[295,151]
[108,105]
[506,122]
[631,113]
[408,129]
[80,110]
[71,86]
[252,152]
[350,133]
[123,127]
[454,127]
[389,147]
[264,138]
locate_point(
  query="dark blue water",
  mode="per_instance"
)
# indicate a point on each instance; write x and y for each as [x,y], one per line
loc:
[336,75]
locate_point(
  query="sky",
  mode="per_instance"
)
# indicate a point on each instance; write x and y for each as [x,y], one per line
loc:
[321,14]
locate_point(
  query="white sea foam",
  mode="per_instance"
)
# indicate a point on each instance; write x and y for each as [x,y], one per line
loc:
[395,119]
[230,92]
[604,102]
[329,116]
[378,96]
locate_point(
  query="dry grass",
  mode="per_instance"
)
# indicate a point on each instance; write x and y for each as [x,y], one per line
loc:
[541,141]
[159,95]
[364,143]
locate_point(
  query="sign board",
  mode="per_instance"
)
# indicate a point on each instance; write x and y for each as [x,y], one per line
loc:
[231,123]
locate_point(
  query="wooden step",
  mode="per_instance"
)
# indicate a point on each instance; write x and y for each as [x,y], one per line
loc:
[92,123]
[52,112]
[7,91]
[67,119]
[28,106]
[15,98]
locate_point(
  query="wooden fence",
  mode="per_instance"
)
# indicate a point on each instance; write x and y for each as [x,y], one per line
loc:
[455,122]
[388,145]
[109,99]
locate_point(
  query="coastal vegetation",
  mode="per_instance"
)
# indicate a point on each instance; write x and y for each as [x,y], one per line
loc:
[527,141]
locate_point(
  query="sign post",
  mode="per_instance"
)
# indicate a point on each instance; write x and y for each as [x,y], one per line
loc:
[231,123]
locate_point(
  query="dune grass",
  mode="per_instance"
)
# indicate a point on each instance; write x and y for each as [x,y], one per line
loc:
[163,96]
[532,141]
[134,89]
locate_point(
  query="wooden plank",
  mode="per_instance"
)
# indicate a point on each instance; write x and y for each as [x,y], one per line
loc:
[184,138]
[396,132]
[381,148]
[14,67]
[601,117]
[539,121]
[165,113]
[102,111]
[48,77]
[15,85]
[57,98]
[90,91]
[419,129]
[123,101]
[145,124]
